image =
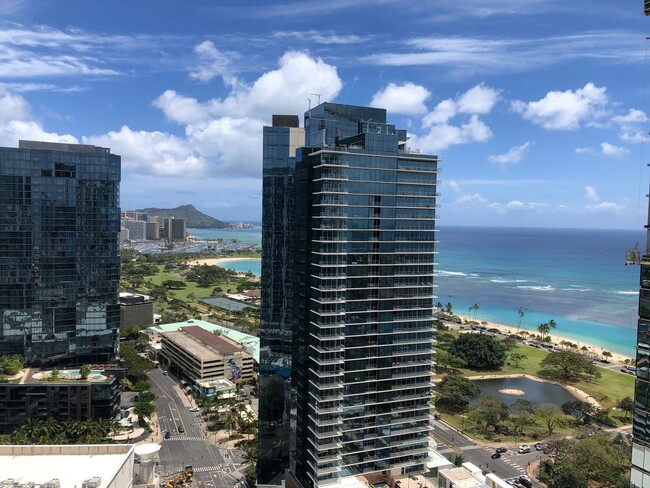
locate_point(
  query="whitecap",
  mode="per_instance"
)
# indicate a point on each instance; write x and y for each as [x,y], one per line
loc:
[442,272]
[627,292]
[576,289]
[503,280]
[537,288]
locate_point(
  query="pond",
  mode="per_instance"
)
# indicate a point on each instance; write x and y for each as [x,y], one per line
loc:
[534,391]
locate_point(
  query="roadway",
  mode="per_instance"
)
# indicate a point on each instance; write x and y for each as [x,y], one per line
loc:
[212,466]
[509,466]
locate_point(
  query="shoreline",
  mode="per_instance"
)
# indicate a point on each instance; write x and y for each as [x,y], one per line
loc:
[555,339]
[215,261]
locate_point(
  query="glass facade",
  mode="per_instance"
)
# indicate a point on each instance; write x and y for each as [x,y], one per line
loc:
[363,241]
[280,143]
[59,253]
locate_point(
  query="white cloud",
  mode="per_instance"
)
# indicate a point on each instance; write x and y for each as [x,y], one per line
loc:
[442,136]
[444,111]
[321,37]
[152,152]
[591,194]
[15,123]
[213,62]
[567,110]
[406,98]
[471,198]
[631,125]
[180,109]
[607,207]
[584,150]
[516,205]
[612,150]
[453,184]
[478,100]
[513,156]
[470,55]
[227,131]
[13,107]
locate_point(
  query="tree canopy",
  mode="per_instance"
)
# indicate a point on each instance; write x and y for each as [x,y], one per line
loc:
[568,365]
[456,390]
[479,351]
[596,461]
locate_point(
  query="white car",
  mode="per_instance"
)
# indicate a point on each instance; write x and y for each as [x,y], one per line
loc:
[194,409]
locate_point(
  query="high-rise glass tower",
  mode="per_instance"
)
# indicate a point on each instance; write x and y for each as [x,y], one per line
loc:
[361,290]
[279,157]
[59,253]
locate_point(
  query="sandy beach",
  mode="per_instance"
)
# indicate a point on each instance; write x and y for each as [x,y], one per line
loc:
[214,261]
[555,339]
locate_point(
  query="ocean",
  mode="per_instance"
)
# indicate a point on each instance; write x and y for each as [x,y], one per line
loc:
[576,277]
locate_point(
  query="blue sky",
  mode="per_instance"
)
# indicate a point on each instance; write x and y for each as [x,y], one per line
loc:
[536,106]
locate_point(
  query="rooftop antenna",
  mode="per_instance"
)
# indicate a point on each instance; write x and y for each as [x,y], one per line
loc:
[316,95]
[309,100]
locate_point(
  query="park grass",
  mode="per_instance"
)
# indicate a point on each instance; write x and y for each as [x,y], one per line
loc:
[191,286]
[608,390]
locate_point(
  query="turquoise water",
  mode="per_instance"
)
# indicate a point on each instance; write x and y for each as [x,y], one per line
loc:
[244,265]
[575,277]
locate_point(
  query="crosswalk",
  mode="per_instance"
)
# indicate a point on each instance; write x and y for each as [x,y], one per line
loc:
[185,438]
[207,469]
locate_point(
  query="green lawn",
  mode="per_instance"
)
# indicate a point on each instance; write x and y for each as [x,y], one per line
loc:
[611,387]
[191,287]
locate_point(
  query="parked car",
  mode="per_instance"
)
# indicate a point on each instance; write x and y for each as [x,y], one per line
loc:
[539,446]
[194,409]
[180,429]
[501,450]
[524,448]
[525,480]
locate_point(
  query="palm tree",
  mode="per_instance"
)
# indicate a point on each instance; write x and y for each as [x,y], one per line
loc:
[543,329]
[520,316]
[552,325]
[475,307]
[449,307]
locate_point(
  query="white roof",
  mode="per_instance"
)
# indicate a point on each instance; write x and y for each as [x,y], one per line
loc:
[72,464]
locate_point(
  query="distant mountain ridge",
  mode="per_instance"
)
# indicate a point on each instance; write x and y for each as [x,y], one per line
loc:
[195,219]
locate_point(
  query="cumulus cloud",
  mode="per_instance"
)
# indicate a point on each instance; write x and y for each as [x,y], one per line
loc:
[16,123]
[212,62]
[567,110]
[591,194]
[513,156]
[631,125]
[406,98]
[152,152]
[612,150]
[478,100]
[584,150]
[228,130]
[442,134]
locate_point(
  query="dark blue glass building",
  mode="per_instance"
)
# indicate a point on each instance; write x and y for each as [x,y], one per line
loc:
[280,143]
[359,298]
[59,253]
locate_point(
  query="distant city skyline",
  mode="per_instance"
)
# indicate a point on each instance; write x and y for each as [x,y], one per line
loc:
[538,111]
